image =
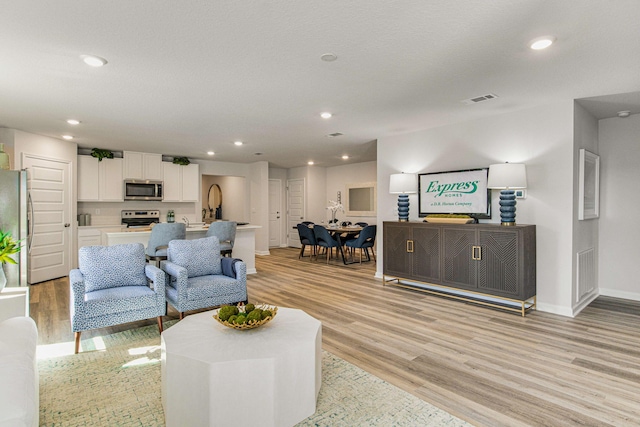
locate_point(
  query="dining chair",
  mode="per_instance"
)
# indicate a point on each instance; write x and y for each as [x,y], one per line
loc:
[324,239]
[307,223]
[365,240]
[161,235]
[307,238]
[362,224]
[225,231]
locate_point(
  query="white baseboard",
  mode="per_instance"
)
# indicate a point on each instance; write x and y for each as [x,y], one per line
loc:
[554,309]
[588,299]
[263,253]
[635,296]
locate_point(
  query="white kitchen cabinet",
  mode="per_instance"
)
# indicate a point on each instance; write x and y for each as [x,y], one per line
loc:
[142,166]
[180,183]
[88,184]
[89,237]
[100,181]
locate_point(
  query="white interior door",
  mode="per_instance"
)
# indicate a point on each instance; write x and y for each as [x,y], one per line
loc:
[275,207]
[49,183]
[295,210]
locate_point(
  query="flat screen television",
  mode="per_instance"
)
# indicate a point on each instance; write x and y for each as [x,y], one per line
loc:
[455,192]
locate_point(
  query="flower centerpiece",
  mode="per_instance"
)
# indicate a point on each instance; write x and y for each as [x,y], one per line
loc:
[8,247]
[334,207]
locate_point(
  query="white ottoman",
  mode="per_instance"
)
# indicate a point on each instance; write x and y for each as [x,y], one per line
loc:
[213,375]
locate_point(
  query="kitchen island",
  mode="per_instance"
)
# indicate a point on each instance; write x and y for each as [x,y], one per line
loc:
[244,246]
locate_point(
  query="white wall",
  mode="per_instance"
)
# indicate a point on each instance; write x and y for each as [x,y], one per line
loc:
[259,192]
[257,208]
[619,231]
[233,190]
[585,232]
[339,176]
[540,137]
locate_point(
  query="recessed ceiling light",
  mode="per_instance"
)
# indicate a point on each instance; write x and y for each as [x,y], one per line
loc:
[211,153]
[345,157]
[67,136]
[310,163]
[94,61]
[543,42]
[238,143]
[73,122]
[624,113]
[329,57]
[326,115]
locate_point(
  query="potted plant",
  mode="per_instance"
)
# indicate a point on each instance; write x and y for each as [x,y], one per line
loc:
[8,247]
[101,153]
[334,207]
[182,161]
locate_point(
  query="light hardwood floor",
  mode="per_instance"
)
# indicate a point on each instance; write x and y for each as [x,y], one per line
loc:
[485,366]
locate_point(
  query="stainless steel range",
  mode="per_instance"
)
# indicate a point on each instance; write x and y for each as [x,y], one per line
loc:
[139,219]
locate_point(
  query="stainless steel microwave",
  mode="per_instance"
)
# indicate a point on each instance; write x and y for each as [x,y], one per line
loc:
[140,189]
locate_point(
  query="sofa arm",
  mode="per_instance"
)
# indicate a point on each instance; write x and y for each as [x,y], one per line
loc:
[178,273]
[19,394]
[157,277]
[233,267]
[76,290]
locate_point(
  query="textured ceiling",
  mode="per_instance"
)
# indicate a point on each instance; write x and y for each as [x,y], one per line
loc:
[185,77]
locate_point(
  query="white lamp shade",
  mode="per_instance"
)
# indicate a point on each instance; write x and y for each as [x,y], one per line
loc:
[507,176]
[403,183]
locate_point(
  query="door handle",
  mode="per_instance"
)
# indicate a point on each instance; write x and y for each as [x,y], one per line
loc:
[476,253]
[30,222]
[410,246]
[67,225]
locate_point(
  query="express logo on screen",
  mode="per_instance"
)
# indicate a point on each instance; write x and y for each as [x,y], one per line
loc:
[466,187]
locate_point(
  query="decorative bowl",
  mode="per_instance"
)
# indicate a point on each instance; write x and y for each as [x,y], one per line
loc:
[254,323]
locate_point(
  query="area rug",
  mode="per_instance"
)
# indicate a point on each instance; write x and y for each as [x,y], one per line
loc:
[115,381]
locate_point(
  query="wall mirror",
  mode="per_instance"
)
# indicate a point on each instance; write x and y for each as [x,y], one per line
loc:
[215,201]
[361,199]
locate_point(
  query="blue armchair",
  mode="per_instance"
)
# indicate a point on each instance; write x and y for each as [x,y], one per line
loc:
[198,277]
[114,285]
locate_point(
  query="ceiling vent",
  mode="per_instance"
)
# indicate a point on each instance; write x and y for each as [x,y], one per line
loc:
[478,99]
[333,135]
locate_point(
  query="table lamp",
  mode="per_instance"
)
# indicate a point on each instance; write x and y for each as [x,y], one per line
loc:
[403,184]
[507,177]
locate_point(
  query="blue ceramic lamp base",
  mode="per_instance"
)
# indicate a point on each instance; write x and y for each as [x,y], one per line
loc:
[403,207]
[507,207]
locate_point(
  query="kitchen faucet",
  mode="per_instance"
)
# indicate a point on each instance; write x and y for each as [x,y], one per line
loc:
[186,220]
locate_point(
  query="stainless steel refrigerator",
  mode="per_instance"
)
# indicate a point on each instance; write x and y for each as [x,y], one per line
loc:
[14,200]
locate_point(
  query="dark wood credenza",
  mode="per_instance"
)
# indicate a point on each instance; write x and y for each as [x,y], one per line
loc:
[492,264]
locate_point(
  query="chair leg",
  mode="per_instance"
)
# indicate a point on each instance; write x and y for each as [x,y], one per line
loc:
[181,315]
[301,254]
[77,336]
[374,255]
[160,324]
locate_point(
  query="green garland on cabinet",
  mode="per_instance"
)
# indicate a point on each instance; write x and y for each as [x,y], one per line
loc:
[101,153]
